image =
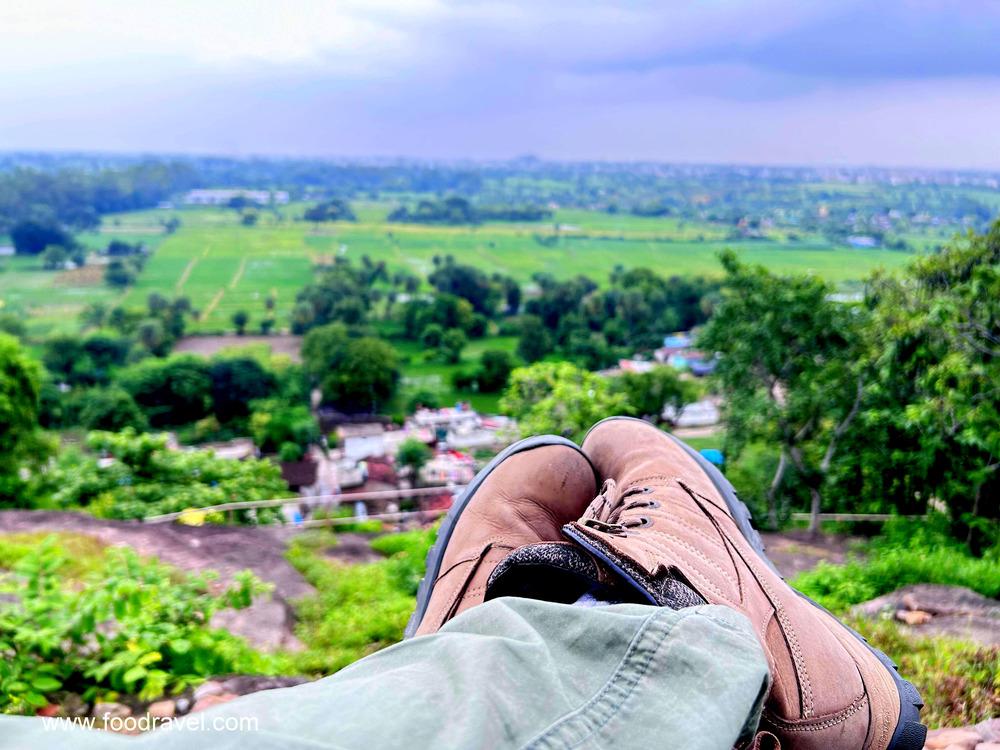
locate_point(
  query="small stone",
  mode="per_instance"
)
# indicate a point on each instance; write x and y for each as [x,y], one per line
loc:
[207,688]
[913,616]
[212,700]
[952,739]
[111,711]
[50,709]
[73,705]
[162,709]
[989,730]
[183,705]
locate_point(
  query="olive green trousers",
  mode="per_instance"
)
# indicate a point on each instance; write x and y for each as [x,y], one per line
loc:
[512,673]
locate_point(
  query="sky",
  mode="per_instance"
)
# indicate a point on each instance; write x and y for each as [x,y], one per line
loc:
[880,82]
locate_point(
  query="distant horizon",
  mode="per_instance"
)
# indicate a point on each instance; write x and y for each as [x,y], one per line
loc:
[476,161]
[914,83]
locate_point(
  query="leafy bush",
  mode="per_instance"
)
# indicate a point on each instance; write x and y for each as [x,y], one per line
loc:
[145,478]
[907,553]
[132,626]
[357,609]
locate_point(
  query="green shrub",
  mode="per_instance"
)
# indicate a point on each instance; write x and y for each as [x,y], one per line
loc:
[959,681]
[907,553]
[357,609]
[131,626]
[146,478]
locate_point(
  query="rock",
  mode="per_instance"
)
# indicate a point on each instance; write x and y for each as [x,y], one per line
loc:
[954,611]
[989,730]
[952,739]
[913,616]
[252,683]
[988,746]
[111,711]
[210,687]
[162,709]
[73,705]
[212,700]
[50,709]
[183,705]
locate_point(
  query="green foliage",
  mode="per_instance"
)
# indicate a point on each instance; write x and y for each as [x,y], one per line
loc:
[413,454]
[21,444]
[647,393]
[277,427]
[172,391]
[332,210]
[111,409]
[131,626]
[938,365]
[468,283]
[357,609]
[236,382]
[791,369]
[959,682]
[492,374]
[908,553]
[54,257]
[452,343]
[240,319]
[559,398]
[32,237]
[535,341]
[355,374]
[146,478]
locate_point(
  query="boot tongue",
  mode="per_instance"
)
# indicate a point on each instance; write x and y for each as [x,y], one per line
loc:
[555,572]
[564,572]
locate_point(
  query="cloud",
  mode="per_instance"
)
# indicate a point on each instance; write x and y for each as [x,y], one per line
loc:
[898,81]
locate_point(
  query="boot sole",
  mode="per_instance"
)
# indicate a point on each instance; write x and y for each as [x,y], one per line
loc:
[436,553]
[910,733]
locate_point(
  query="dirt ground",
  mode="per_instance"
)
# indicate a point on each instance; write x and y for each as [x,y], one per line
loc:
[795,551]
[206,346]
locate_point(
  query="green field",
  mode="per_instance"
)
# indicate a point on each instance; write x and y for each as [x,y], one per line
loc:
[223,266]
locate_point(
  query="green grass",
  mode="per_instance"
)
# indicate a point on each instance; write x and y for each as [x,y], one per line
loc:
[357,609]
[223,266]
[420,373]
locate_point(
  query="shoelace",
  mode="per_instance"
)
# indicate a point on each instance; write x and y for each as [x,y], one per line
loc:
[605,511]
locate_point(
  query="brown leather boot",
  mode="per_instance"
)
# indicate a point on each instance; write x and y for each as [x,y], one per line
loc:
[666,514]
[523,496]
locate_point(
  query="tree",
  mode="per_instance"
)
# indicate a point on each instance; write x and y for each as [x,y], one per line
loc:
[937,343]
[432,336]
[364,378]
[452,343]
[535,341]
[791,370]
[468,283]
[413,455]
[559,398]
[172,391]
[240,320]
[649,392]
[275,425]
[54,257]
[32,237]
[495,367]
[21,444]
[236,381]
[119,273]
[111,409]
[332,210]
